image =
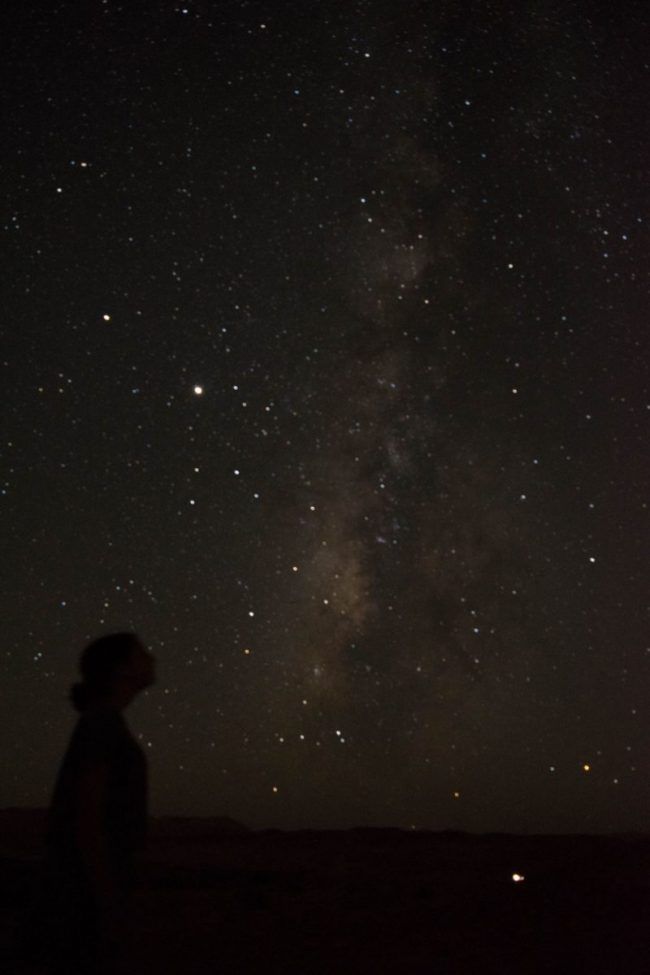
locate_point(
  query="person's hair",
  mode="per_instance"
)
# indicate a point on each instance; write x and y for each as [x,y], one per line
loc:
[99,663]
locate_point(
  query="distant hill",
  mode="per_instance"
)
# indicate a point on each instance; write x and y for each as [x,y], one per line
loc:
[194,827]
[22,830]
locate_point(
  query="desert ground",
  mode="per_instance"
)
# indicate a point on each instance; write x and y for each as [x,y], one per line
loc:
[217,898]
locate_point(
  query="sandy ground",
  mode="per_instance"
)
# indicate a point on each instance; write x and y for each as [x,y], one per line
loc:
[379,901]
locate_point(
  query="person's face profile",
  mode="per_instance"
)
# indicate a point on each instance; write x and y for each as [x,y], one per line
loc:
[141,669]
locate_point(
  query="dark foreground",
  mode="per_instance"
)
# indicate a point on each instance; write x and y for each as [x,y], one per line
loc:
[375,901]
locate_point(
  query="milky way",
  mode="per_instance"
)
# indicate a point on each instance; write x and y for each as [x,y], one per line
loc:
[326,372]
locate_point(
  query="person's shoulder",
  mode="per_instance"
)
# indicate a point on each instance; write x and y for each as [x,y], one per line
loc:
[100,725]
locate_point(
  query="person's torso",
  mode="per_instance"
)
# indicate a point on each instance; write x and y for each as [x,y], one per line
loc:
[102,738]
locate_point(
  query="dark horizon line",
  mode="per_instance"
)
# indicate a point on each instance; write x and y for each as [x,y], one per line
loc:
[243,828]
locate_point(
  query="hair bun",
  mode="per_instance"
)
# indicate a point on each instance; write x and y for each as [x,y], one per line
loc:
[79,696]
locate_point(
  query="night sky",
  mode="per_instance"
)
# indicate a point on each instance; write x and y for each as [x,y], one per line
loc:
[325,370]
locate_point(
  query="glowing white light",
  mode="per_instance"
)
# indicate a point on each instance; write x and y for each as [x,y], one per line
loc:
[198,390]
[518,877]
[106,318]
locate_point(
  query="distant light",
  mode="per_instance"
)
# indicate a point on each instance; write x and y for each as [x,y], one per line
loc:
[106,318]
[275,788]
[198,390]
[247,650]
[456,795]
[518,877]
[586,767]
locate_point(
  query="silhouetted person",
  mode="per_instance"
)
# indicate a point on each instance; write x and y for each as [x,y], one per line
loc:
[98,815]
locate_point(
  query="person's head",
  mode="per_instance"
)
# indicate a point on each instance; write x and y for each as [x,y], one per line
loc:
[114,669]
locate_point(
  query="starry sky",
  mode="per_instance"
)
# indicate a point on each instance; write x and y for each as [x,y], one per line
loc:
[325,368]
